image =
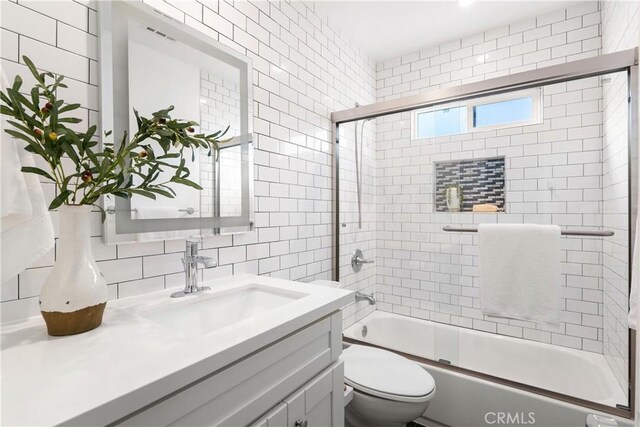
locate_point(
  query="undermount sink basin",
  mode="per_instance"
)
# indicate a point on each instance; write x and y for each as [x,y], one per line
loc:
[209,311]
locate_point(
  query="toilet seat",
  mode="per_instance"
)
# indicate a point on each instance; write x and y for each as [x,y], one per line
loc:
[387,375]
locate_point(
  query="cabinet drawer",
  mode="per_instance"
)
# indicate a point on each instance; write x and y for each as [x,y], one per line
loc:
[251,386]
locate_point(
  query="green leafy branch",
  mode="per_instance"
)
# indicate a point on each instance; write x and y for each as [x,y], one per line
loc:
[41,120]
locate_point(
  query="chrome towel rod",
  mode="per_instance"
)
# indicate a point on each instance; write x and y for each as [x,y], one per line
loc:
[564,232]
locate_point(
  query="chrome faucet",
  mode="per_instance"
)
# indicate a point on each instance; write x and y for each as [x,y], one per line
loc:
[190,261]
[365,297]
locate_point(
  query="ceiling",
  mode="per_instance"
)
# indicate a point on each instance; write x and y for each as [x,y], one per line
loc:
[387,28]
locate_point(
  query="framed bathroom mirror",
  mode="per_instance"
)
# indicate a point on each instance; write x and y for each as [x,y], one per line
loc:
[148,62]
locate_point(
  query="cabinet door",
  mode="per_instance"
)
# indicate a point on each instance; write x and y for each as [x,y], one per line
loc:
[275,418]
[320,403]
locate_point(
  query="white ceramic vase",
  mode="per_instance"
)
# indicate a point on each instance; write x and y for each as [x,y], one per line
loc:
[74,295]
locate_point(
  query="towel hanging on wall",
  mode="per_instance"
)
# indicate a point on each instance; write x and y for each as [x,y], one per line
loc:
[520,271]
[26,230]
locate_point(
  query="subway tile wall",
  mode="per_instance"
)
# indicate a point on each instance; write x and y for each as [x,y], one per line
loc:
[553,175]
[358,218]
[303,70]
[220,110]
[620,27]
[553,170]
[558,37]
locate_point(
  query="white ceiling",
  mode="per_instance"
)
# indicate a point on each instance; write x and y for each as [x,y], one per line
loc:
[387,28]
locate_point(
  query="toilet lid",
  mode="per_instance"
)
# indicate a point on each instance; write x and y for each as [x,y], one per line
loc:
[385,374]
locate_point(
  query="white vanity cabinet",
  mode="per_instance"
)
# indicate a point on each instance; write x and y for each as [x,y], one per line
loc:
[296,381]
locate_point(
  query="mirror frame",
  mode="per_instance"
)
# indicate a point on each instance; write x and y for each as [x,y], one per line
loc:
[118,226]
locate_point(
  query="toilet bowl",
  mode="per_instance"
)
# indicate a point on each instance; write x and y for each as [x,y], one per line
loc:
[389,390]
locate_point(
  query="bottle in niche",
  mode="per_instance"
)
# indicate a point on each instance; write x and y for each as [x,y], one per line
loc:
[453,197]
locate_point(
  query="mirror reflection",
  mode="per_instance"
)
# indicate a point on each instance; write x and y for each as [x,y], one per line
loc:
[162,72]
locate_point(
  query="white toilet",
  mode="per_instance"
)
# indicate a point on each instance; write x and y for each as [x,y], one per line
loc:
[388,389]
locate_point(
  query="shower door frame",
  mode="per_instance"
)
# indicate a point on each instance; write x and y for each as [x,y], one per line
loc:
[626,60]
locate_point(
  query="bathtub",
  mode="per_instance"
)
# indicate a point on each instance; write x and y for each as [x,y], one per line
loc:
[488,358]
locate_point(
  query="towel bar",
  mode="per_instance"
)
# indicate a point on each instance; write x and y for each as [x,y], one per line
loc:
[564,232]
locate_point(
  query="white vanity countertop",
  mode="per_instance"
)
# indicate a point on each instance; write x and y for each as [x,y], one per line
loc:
[130,361]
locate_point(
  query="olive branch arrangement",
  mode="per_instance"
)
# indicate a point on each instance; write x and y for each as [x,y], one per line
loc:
[41,122]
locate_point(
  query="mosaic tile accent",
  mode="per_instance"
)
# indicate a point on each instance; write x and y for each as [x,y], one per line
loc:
[481,180]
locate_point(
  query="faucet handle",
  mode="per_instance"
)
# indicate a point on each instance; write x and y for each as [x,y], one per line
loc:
[358,259]
[191,247]
[209,262]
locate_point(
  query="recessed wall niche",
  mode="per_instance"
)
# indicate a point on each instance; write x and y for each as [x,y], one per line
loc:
[481,181]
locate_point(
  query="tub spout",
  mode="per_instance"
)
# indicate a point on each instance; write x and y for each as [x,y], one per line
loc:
[365,297]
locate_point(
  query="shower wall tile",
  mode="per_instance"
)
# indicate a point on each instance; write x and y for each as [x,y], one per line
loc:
[303,69]
[356,234]
[553,173]
[529,45]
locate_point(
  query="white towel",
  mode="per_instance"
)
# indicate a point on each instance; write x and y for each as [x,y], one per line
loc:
[16,206]
[520,271]
[26,231]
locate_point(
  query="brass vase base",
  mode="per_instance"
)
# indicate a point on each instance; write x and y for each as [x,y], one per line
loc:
[75,322]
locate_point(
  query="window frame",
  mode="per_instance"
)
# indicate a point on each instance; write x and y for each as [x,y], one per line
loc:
[439,107]
[536,108]
[535,94]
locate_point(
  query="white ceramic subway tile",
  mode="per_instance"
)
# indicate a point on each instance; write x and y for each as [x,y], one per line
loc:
[69,12]
[232,255]
[9,290]
[156,265]
[121,270]
[31,281]
[101,251]
[77,41]
[27,22]
[9,46]
[56,60]
[137,287]
[128,250]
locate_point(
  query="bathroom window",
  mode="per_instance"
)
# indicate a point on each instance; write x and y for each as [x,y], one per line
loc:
[506,110]
[486,113]
[431,123]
